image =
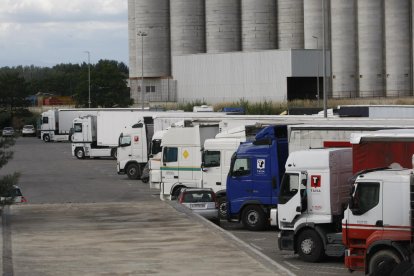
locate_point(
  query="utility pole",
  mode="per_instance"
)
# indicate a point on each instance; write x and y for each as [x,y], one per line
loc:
[89,78]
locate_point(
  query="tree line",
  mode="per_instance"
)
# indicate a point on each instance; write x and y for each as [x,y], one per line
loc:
[108,84]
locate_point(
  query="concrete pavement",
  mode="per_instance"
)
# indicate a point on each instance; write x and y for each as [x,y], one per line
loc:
[142,238]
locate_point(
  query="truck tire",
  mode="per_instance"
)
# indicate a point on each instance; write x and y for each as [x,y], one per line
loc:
[46,138]
[222,206]
[253,218]
[114,153]
[383,262]
[133,171]
[79,153]
[309,246]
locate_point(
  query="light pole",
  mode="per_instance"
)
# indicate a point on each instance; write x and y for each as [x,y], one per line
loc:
[89,78]
[317,78]
[142,35]
[325,98]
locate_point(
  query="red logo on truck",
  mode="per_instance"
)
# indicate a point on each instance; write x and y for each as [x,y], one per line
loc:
[136,138]
[315,181]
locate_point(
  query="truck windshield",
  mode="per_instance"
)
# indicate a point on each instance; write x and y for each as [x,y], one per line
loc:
[289,187]
[211,158]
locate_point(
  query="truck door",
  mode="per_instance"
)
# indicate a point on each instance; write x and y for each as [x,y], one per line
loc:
[169,167]
[189,161]
[212,170]
[138,145]
[366,210]
[264,186]
[239,184]
[290,197]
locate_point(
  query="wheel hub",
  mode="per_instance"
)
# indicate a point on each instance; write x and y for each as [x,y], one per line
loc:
[306,246]
[252,217]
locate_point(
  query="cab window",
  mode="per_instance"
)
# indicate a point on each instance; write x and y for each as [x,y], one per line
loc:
[211,159]
[365,198]
[170,154]
[45,120]
[241,167]
[78,127]
[289,187]
[124,140]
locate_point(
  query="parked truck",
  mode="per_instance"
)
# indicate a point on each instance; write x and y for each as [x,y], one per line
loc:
[135,145]
[377,228]
[181,149]
[254,179]
[56,124]
[313,196]
[98,135]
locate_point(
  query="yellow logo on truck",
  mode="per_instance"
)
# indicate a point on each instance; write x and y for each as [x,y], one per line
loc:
[185,154]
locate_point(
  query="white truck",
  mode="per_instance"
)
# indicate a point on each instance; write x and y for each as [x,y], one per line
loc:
[97,136]
[181,157]
[134,148]
[56,124]
[314,193]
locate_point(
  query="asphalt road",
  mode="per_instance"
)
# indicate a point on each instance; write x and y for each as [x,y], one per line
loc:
[50,175]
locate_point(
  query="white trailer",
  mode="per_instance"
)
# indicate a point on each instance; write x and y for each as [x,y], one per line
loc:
[98,136]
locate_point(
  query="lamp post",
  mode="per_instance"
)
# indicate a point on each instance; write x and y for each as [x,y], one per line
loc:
[142,35]
[325,98]
[317,78]
[89,78]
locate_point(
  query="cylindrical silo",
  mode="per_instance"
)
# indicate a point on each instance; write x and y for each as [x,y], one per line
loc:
[370,48]
[258,21]
[223,26]
[132,49]
[290,24]
[188,33]
[397,48]
[344,59]
[313,24]
[153,18]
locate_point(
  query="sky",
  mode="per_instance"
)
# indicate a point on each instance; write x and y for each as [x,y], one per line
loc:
[49,32]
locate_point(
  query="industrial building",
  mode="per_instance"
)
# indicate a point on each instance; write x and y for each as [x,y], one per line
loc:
[225,50]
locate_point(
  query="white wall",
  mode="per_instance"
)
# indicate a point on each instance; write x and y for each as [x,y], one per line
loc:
[227,77]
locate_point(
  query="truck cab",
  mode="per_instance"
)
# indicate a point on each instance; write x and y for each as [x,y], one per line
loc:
[313,195]
[254,178]
[377,227]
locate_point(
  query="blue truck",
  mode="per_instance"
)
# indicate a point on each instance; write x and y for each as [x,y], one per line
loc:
[254,178]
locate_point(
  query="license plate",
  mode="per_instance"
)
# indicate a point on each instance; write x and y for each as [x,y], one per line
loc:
[198,205]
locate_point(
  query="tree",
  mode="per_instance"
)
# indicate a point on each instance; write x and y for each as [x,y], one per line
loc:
[13,90]
[108,85]
[8,181]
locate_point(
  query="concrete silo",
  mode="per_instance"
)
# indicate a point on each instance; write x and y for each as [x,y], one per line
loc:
[223,26]
[343,41]
[313,24]
[397,48]
[153,18]
[258,21]
[188,33]
[290,24]
[370,48]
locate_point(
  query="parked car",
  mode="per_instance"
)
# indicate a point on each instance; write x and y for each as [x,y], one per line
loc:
[8,131]
[29,130]
[201,201]
[14,196]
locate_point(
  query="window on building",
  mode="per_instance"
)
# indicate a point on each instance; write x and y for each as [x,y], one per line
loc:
[150,88]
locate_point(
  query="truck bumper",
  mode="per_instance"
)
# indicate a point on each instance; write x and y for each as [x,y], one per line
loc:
[285,240]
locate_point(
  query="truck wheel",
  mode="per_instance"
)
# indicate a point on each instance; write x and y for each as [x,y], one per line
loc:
[222,205]
[133,171]
[383,262]
[79,153]
[114,153]
[145,179]
[46,138]
[309,246]
[253,218]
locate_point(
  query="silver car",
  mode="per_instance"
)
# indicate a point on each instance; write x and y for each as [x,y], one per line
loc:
[201,201]
[8,131]
[28,130]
